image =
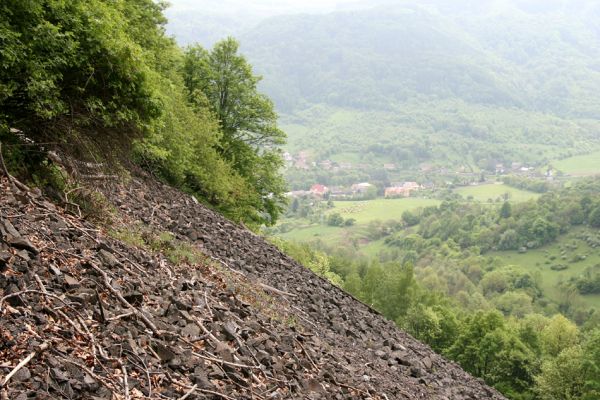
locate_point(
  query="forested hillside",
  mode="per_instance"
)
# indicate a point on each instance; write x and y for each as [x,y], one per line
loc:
[423,84]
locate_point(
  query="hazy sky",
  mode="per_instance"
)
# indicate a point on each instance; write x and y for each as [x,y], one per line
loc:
[268,7]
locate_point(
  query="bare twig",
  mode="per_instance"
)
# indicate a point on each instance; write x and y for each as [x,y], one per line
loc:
[189,393]
[208,305]
[208,333]
[125,315]
[24,362]
[218,360]
[40,284]
[102,313]
[223,396]
[125,383]
[124,302]
[275,290]
[91,373]
[307,355]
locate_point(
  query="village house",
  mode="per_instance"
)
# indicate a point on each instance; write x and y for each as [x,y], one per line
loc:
[318,190]
[402,190]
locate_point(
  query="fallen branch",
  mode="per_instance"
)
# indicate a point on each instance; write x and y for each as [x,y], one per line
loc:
[307,355]
[189,393]
[125,383]
[91,373]
[218,360]
[99,177]
[44,346]
[223,396]
[124,302]
[275,290]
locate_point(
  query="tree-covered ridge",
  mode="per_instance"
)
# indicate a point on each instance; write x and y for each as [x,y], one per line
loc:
[493,86]
[101,79]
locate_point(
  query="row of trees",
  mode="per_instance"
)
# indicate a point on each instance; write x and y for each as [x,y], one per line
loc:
[100,80]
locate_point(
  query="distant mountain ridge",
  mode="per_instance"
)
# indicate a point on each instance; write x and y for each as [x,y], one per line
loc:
[454,84]
[396,53]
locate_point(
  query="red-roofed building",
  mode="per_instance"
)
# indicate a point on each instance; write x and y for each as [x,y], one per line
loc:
[319,190]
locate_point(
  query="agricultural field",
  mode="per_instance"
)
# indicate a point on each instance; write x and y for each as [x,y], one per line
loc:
[495,192]
[584,165]
[379,209]
[363,212]
[570,252]
[301,231]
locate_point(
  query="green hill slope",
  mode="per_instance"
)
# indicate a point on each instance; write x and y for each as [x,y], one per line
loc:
[410,84]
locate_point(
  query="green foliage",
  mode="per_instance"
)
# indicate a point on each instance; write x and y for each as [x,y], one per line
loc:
[316,261]
[589,281]
[558,335]
[562,378]
[505,210]
[595,217]
[77,59]
[410,218]
[591,365]
[223,80]
[487,348]
[94,77]
[533,185]
[335,219]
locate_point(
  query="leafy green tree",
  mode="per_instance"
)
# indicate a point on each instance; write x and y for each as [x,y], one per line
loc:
[335,219]
[352,284]
[559,334]
[422,322]
[250,139]
[509,240]
[591,365]
[505,210]
[83,62]
[517,304]
[410,218]
[436,325]
[562,378]
[466,348]
[594,218]
[486,348]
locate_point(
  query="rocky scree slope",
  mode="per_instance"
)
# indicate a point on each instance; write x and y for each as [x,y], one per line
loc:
[187,306]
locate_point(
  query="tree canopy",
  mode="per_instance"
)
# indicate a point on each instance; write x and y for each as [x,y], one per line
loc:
[223,79]
[93,77]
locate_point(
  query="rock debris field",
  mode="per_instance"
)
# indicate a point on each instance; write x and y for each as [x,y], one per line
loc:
[173,301]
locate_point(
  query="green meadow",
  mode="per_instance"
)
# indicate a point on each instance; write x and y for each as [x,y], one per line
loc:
[379,209]
[494,192]
[584,165]
[565,251]
[363,212]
